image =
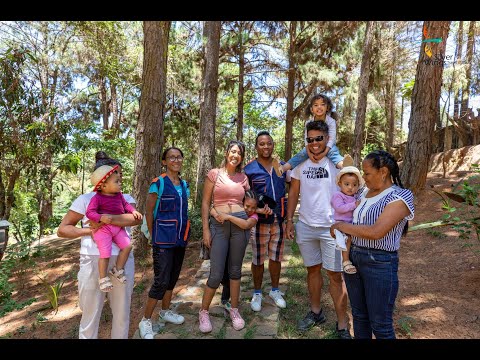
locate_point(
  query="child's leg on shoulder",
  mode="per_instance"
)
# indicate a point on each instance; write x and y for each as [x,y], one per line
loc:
[334,155]
[296,160]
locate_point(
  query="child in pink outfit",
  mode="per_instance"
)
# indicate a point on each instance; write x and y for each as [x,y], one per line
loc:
[344,203]
[108,201]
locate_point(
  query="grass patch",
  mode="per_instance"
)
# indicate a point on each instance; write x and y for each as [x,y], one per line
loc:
[405,323]
[298,303]
[140,287]
[221,333]
[250,333]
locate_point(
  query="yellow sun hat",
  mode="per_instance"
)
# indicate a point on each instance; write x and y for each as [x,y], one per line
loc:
[100,175]
[354,171]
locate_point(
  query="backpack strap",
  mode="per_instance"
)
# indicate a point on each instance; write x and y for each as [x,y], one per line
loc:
[161,185]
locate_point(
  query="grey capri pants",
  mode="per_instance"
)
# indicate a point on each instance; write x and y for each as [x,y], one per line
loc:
[227,238]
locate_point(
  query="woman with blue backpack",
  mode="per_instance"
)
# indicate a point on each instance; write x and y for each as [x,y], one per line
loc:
[167,222]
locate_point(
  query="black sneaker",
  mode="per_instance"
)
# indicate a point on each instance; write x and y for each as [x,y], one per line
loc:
[311,320]
[343,334]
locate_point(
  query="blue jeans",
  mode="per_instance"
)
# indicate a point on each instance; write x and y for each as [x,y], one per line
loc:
[301,156]
[372,292]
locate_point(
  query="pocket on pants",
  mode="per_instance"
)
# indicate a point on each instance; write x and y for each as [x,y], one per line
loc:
[381,258]
[87,274]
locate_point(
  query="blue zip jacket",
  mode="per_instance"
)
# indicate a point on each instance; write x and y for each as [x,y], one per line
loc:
[171,226]
[261,182]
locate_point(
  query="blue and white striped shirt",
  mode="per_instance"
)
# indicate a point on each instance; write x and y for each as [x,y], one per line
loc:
[370,209]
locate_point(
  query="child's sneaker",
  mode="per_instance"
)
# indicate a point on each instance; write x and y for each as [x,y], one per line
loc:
[204,319]
[237,322]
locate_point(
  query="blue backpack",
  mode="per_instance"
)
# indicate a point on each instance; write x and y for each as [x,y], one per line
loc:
[144,227]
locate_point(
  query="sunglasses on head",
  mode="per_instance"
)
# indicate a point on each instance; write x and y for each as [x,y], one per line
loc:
[316,138]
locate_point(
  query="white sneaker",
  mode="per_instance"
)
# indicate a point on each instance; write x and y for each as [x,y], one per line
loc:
[170,316]
[256,303]
[277,297]
[145,327]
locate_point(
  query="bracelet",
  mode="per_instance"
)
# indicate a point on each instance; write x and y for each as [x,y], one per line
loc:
[290,220]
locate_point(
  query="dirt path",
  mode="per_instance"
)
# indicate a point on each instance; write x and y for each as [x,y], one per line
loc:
[439,294]
[438,297]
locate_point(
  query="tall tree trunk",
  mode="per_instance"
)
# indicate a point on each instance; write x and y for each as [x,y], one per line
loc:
[459,51]
[241,85]
[401,118]
[114,105]
[7,194]
[362,93]
[468,75]
[425,97]
[290,91]
[45,191]
[3,199]
[149,136]
[103,101]
[208,105]
[391,92]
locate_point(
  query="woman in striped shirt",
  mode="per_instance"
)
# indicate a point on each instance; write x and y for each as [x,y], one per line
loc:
[378,224]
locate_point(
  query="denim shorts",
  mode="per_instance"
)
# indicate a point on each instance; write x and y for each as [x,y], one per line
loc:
[317,246]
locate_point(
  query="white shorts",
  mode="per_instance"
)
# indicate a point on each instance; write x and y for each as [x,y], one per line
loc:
[317,246]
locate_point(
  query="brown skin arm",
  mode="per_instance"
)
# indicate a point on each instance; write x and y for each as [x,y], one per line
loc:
[68,229]
[293,193]
[391,215]
[206,200]
[241,223]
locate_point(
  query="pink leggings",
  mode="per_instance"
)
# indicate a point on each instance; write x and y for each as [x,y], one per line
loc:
[104,236]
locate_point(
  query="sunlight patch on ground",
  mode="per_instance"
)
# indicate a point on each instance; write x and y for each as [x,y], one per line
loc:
[412,301]
[435,314]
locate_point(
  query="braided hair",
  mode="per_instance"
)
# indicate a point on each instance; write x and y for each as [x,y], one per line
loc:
[250,194]
[382,158]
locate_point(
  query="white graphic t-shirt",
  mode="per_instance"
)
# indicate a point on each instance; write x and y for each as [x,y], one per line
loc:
[317,185]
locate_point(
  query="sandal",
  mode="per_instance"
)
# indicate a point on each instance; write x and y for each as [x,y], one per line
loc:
[118,274]
[105,284]
[349,268]
[277,166]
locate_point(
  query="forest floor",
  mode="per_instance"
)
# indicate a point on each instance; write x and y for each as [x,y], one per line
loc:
[439,295]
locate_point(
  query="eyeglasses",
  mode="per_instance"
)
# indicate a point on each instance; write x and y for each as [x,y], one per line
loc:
[316,138]
[175,158]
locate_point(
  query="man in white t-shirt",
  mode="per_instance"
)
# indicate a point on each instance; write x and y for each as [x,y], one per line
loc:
[315,183]
[90,299]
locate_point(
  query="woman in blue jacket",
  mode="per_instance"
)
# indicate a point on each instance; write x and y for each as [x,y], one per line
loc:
[170,229]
